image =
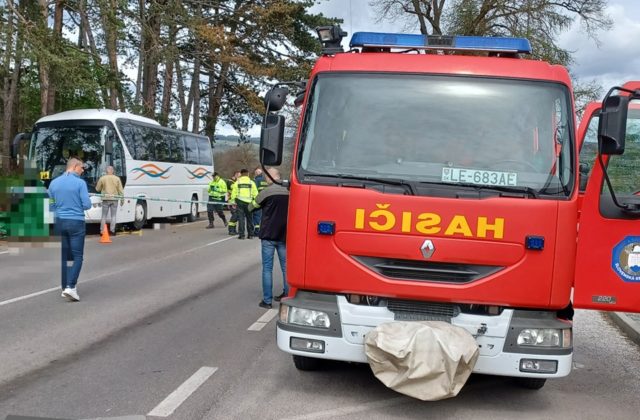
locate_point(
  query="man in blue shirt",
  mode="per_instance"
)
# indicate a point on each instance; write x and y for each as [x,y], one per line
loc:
[70,198]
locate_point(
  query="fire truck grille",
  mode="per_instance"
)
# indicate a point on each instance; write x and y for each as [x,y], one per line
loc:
[409,310]
[427,271]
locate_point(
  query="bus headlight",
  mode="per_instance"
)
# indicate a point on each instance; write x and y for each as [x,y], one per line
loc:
[545,337]
[304,317]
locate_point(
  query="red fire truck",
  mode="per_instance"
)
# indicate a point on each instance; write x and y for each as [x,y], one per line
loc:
[436,178]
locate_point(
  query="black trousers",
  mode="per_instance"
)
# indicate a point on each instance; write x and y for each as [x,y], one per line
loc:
[217,208]
[244,215]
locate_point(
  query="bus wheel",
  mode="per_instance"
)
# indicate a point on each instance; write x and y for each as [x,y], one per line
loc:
[140,215]
[193,214]
[306,363]
[531,383]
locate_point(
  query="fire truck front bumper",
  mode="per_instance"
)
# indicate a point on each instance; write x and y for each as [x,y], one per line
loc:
[335,330]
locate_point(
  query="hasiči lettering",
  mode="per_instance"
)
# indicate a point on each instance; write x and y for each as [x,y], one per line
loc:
[384,219]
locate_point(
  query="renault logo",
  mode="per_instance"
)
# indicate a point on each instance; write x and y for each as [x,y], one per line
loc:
[427,248]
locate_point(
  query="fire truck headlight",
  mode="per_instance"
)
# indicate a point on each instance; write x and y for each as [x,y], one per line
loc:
[306,317]
[545,337]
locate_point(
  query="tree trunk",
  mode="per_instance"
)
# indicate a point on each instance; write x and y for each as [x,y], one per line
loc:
[88,33]
[195,84]
[151,40]
[209,127]
[110,28]
[43,65]
[215,101]
[167,86]
[7,99]
[57,36]
[143,24]
[196,95]
[184,111]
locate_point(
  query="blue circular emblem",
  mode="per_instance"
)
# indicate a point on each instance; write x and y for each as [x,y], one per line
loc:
[626,259]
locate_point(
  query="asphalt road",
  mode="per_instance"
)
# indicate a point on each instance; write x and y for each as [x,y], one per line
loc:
[167,325]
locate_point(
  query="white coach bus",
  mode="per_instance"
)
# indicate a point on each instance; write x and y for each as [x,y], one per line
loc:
[151,160]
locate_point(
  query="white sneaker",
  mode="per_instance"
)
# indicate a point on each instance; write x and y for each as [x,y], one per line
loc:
[71,294]
[63,295]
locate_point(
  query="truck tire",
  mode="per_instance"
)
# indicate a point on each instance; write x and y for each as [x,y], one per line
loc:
[531,383]
[306,363]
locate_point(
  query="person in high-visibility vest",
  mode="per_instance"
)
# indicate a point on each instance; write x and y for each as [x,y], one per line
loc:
[218,194]
[243,192]
[261,184]
[233,220]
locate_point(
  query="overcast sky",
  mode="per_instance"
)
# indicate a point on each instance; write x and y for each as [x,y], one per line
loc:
[614,62]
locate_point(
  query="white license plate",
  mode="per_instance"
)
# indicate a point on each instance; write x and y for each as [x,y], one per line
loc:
[479,177]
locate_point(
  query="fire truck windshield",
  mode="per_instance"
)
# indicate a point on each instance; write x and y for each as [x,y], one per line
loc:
[456,132]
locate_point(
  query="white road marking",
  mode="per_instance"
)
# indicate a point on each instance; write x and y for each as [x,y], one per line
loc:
[343,411]
[264,320]
[18,299]
[53,289]
[4,252]
[217,242]
[180,395]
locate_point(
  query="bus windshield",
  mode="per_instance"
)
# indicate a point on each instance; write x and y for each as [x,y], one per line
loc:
[456,132]
[53,145]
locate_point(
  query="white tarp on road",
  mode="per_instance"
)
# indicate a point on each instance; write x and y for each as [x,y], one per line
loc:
[428,360]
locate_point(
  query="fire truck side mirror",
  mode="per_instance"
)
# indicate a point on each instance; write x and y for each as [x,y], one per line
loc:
[275,99]
[612,126]
[272,140]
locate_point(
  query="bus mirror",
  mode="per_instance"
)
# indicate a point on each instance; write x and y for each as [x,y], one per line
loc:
[15,144]
[276,97]
[612,126]
[272,140]
[299,99]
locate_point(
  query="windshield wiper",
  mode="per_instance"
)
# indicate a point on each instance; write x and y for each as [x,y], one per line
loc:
[384,181]
[499,188]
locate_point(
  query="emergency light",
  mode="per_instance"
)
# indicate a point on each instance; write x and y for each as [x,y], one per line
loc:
[440,42]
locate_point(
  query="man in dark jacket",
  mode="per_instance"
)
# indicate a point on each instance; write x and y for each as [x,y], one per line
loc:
[274,202]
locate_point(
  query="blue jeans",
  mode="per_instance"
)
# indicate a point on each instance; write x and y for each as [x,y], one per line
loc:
[257,215]
[268,249]
[71,233]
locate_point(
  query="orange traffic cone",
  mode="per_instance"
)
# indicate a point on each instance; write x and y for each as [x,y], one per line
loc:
[105,236]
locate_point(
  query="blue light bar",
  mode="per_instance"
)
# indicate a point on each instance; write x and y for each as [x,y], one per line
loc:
[435,42]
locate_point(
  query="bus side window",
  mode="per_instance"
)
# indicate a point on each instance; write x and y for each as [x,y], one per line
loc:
[146,143]
[191,150]
[176,147]
[204,152]
[161,143]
